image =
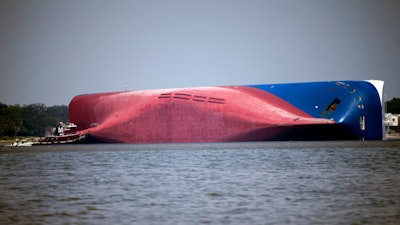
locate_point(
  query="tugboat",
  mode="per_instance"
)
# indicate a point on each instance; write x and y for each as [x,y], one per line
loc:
[62,134]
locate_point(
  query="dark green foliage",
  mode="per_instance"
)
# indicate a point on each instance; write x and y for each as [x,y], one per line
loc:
[30,120]
[393,106]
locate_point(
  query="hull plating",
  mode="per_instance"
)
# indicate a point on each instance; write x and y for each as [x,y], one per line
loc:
[234,113]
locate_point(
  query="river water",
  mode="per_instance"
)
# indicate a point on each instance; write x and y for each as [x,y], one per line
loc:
[204,183]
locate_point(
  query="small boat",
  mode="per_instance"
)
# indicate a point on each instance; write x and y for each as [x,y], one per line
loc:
[22,143]
[61,134]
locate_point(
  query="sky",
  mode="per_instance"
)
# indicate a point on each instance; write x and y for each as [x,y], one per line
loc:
[51,51]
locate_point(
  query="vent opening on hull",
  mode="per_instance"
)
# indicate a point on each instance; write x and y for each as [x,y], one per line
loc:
[166,95]
[199,98]
[216,100]
[182,96]
[331,107]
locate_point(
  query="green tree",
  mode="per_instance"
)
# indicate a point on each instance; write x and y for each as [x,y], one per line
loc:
[393,106]
[10,120]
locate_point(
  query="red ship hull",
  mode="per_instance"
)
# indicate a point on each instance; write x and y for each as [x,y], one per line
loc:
[211,114]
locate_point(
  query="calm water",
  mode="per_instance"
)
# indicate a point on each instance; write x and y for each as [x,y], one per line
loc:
[223,183]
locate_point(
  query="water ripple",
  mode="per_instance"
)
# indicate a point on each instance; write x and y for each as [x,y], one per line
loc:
[223,183]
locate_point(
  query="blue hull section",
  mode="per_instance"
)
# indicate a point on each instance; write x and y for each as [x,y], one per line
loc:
[355,106]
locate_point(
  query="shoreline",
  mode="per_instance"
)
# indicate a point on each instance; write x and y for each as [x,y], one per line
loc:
[7,141]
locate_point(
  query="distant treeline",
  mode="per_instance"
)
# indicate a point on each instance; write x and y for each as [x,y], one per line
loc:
[30,120]
[393,106]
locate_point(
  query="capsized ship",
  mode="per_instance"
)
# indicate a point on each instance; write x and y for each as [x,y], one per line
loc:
[335,110]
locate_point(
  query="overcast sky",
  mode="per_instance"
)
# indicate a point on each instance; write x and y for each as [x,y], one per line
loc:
[52,50]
